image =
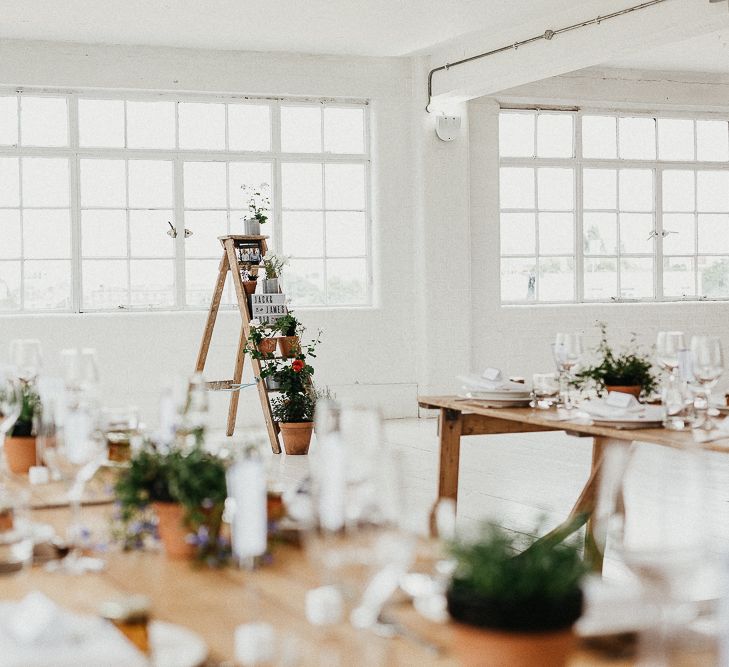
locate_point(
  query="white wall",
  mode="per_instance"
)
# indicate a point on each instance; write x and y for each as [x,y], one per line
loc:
[366,352]
[517,338]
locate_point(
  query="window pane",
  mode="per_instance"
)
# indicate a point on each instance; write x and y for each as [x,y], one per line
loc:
[103,183]
[681,238]
[101,123]
[104,284]
[249,127]
[8,125]
[47,284]
[518,234]
[713,191]
[678,276]
[10,234]
[678,191]
[344,130]
[150,184]
[601,279]
[205,185]
[305,281]
[516,134]
[46,233]
[205,226]
[675,139]
[103,233]
[301,129]
[635,229]
[517,187]
[712,140]
[200,280]
[45,181]
[714,277]
[713,233]
[518,279]
[346,234]
[9,286]
[599,137]
[346,281]
[556,189]
[600,189]
[556,279]
[301,185]
[636,190]
[256,174]
[43,121]
[10,179]
[148,233]
[345,186]
[636,277]
[637,138]
[152,282]
[554,135]
[202,125]
[600,235]
[303,233]
[556,233]
[151,124]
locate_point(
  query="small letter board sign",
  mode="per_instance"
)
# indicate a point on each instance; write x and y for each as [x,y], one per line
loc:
[267,308]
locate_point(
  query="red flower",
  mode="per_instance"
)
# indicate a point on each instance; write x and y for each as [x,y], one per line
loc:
[297,365]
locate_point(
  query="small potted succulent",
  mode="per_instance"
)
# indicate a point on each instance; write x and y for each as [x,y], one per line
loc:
[250,280]
[512,608]
[290,342]
[629,371]
[259,203]
[261,343]
[187,492]
[273,265]
[20,444]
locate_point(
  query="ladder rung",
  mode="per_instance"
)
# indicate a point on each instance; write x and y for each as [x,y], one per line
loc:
[226,385]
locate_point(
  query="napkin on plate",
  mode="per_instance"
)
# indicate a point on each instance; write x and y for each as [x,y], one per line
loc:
[36,632]
[491,379]
[614,406]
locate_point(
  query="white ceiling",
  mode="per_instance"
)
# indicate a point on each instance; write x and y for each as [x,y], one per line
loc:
[354,27]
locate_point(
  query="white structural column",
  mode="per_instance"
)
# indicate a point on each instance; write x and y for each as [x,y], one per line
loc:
[664,23]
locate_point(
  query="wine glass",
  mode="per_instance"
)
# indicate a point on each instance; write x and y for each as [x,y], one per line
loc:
[11,405]
[668,346]
[707,365]
[25,355]
[80,371]
[568,350]
[651,511]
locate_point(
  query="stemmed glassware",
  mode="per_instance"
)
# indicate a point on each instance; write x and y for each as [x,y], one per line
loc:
[707,365]
[26,357]
[669,344]
[568,349]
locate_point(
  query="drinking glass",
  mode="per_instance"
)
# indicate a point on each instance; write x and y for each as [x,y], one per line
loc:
[668,346]
[25,355]
[568,350]
[707,365]
[120,427]
[651,510]
[11,405]
[16,539]
[545,387]
[80,371]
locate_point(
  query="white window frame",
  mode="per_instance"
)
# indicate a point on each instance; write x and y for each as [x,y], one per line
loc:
[74,153]
[579,163]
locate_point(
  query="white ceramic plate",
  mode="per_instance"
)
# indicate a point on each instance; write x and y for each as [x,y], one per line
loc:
[496,403]
[499,395]
[175,646]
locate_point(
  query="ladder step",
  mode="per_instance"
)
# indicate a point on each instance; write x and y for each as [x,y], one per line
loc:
[226,385]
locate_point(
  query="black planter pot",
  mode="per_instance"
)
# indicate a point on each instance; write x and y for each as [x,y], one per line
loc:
[514,615]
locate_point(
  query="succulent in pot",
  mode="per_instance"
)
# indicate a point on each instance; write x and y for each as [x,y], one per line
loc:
[20,444]
[250,280]
[512,608]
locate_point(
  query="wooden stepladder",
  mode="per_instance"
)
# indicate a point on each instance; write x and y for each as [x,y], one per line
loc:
[233,245]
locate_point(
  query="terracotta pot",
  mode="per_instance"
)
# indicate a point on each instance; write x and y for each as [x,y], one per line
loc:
[633,390]
[289,346]
[267,346]
[296,436]
[250,286]
[20,453]
[172,530]
[477,647]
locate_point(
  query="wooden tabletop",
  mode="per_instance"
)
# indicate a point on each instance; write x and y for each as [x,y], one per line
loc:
[543,420]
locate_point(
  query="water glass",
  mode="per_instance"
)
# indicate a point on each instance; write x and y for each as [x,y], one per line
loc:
[16,540]
[120,427]
[545,389]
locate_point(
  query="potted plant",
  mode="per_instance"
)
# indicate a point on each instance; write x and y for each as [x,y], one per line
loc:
[289,343]
[261,343]
[273,264]
[259,203]
[515,610]
[187,491]
[249,282]
[629,371]
[20,444]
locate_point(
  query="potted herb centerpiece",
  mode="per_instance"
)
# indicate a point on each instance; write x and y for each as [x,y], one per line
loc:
[629,371]
[514,609]
[20,444]
[273,265]
[289,343]
[259,203]
[187,491]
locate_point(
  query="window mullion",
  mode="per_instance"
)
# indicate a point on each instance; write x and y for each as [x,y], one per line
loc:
[658,238]
[75,203]
[578,233]
[177,184]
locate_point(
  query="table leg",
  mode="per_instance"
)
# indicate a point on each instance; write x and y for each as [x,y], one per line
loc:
[450,425]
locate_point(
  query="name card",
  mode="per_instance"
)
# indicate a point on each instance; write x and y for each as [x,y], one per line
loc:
[268,308]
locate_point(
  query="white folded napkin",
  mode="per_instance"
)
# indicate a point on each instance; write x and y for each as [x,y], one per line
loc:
[613,406]
[719,433]
[491,379]
[36,632]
